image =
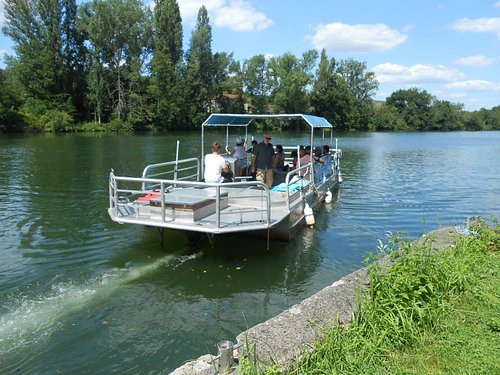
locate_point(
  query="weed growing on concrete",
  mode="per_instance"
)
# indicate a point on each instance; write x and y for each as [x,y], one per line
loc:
[416,296]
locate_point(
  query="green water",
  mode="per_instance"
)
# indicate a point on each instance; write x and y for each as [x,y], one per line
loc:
[81,294]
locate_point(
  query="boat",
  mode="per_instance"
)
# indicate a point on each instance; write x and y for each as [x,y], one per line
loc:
[173,195]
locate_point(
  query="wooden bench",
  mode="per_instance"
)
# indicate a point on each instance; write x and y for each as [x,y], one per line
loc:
[189,208]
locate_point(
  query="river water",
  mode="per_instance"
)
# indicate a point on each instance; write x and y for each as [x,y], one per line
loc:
[81,294]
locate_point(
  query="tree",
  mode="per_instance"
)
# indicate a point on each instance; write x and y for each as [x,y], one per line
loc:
[387,118]
[362,86]
[491,118]
[73,56]
[342,92]
[33,26]
[323,95]
[11,120]
[200,69]
[166,68]
[227,83]
[414,105]
[290,79]
[446,116]
[255,77]
[117,32]
[97,88]
[49,49]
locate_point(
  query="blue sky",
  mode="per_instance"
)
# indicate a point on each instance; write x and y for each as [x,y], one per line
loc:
[449,48]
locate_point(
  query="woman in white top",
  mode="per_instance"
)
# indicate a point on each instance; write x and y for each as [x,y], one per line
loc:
[215,165]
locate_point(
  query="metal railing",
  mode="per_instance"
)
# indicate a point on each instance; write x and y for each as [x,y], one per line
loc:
[177,170]
[119,196]
[301,173]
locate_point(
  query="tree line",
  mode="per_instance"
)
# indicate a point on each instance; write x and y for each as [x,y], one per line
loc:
[119,65]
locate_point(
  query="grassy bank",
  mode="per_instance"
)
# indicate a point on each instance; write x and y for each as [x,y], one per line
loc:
[427,313]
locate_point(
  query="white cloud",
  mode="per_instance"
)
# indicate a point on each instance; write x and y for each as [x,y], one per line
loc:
[479,25]
[236,15]
[416,74]
[189,8]
[239,15]
[2,13]
[497,4]
[340,37]
[474,85]
[475,61]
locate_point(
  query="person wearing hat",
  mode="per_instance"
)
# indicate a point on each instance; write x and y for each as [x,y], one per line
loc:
[263,161]
[239,152]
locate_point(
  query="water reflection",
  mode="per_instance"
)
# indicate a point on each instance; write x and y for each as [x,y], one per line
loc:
[79,291]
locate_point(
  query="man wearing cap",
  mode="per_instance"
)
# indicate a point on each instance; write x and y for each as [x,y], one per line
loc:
[263,160]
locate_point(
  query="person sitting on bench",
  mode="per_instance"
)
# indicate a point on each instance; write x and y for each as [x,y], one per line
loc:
[216,168]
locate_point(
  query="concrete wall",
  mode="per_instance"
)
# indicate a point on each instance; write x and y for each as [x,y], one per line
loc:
[286,337]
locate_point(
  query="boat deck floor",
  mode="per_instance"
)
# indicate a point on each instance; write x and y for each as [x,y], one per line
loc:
[194,208]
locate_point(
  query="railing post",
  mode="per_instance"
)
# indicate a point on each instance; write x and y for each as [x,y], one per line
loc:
[162,192]
[176,161]
[217,206]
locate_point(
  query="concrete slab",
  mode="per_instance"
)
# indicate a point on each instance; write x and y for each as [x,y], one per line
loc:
[286,337]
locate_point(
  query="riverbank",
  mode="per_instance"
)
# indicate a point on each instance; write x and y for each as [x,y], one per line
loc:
[402,306]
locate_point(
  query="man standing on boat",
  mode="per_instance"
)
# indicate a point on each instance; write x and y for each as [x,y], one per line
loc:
[263,161]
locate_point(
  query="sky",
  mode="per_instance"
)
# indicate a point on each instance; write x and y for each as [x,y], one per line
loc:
[449,48]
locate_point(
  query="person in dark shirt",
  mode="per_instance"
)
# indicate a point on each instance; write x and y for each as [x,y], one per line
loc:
[263,161]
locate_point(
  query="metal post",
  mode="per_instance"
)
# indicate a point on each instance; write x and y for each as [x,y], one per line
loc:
[226,359]
[176,161]
[162,204]
[217,205]
[202,152]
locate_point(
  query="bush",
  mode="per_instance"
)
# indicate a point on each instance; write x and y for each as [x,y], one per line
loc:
[58,121]
[33,123]
[118,125]
[91,127]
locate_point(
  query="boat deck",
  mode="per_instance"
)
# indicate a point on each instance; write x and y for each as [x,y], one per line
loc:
[210,209]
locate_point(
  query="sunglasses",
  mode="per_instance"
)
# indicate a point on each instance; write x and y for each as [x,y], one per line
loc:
[268,138]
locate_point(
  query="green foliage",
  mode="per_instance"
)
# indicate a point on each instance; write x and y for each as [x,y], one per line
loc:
[490,118]
[200,70]
[11,120]
[446,116]
[255,82]
[387,118]
[118,125]
[420,302]
[49,48]
[91,127]
[289,80]
[117,31]
[166,68]
[57,121]
[33,123]
[414,106]
[343,92]
[108,59]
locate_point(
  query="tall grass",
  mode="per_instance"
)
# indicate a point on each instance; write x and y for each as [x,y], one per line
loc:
[413,290]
